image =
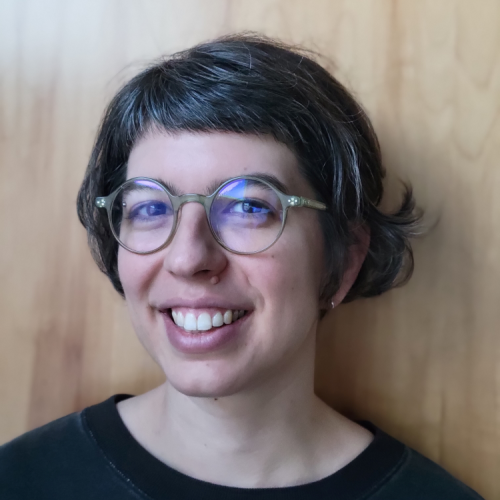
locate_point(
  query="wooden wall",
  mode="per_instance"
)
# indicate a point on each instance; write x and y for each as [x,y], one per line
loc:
[423,362]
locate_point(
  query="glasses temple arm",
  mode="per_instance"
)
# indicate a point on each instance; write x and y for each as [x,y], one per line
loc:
[300,201]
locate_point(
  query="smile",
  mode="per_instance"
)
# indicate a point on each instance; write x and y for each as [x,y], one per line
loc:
[195,321]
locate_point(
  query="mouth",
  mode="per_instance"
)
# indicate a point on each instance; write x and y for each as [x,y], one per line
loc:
[200,321]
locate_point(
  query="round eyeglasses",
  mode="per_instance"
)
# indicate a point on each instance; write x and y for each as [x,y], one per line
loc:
[246,214]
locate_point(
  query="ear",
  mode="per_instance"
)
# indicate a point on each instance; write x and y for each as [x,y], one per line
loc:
[357,255]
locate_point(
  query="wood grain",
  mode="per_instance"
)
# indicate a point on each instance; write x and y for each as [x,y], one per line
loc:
[423,362]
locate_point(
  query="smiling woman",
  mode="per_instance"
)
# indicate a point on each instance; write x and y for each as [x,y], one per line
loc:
[232,198]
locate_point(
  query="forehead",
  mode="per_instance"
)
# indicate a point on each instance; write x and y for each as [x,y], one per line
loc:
[192,161]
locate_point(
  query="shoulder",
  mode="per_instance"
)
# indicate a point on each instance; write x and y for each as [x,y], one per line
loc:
[31,461]
[58,460]
[417,478]
[49,442]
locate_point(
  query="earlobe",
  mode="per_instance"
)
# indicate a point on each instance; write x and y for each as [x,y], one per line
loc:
[357,255]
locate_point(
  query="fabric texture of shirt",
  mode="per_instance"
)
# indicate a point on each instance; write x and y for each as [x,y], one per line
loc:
[91,455]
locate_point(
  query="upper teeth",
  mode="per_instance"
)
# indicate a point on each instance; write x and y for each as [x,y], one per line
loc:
[205,321]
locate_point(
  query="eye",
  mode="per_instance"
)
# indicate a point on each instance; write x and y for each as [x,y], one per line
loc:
[249,206]
[149,210]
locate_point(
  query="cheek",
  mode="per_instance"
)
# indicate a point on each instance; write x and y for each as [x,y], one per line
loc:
[287,307]
[299,258]
[136,273]
[289,275]
[132,276]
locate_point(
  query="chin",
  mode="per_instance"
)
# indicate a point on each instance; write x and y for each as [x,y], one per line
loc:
[203,389]
[207,383]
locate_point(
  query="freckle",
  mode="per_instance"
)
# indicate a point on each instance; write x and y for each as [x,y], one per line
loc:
[215,399]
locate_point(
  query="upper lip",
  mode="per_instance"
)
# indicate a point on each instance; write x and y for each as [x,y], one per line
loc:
[207,302]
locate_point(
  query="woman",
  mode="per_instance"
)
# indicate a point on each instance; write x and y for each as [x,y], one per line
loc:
[232,199]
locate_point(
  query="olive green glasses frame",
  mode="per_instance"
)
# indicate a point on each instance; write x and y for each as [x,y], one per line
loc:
[246,214]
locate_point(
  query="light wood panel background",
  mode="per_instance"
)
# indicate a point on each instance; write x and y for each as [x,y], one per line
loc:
[423,362]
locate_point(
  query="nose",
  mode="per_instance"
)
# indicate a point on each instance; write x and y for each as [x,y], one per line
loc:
[193,251]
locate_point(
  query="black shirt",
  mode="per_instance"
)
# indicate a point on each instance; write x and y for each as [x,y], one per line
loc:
[92,455]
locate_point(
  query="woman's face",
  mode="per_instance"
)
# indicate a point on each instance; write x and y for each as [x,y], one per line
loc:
[278,289]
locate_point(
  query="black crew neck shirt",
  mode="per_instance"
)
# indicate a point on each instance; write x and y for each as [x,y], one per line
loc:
[91,455]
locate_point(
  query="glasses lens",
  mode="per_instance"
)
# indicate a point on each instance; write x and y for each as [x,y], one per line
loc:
[247,215]
[142,216]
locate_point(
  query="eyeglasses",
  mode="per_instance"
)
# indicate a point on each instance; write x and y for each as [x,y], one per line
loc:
[246,215]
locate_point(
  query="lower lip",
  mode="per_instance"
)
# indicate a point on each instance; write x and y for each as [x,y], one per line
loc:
[204,342]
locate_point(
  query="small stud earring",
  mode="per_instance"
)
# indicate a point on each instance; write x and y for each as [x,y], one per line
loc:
[333,304]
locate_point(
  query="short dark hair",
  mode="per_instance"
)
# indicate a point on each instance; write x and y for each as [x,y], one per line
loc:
[249,84]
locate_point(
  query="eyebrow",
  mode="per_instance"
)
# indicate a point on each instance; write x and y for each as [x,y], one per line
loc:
[212,187]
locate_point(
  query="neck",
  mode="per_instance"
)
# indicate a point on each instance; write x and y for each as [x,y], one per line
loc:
[269,436]
[240,422]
